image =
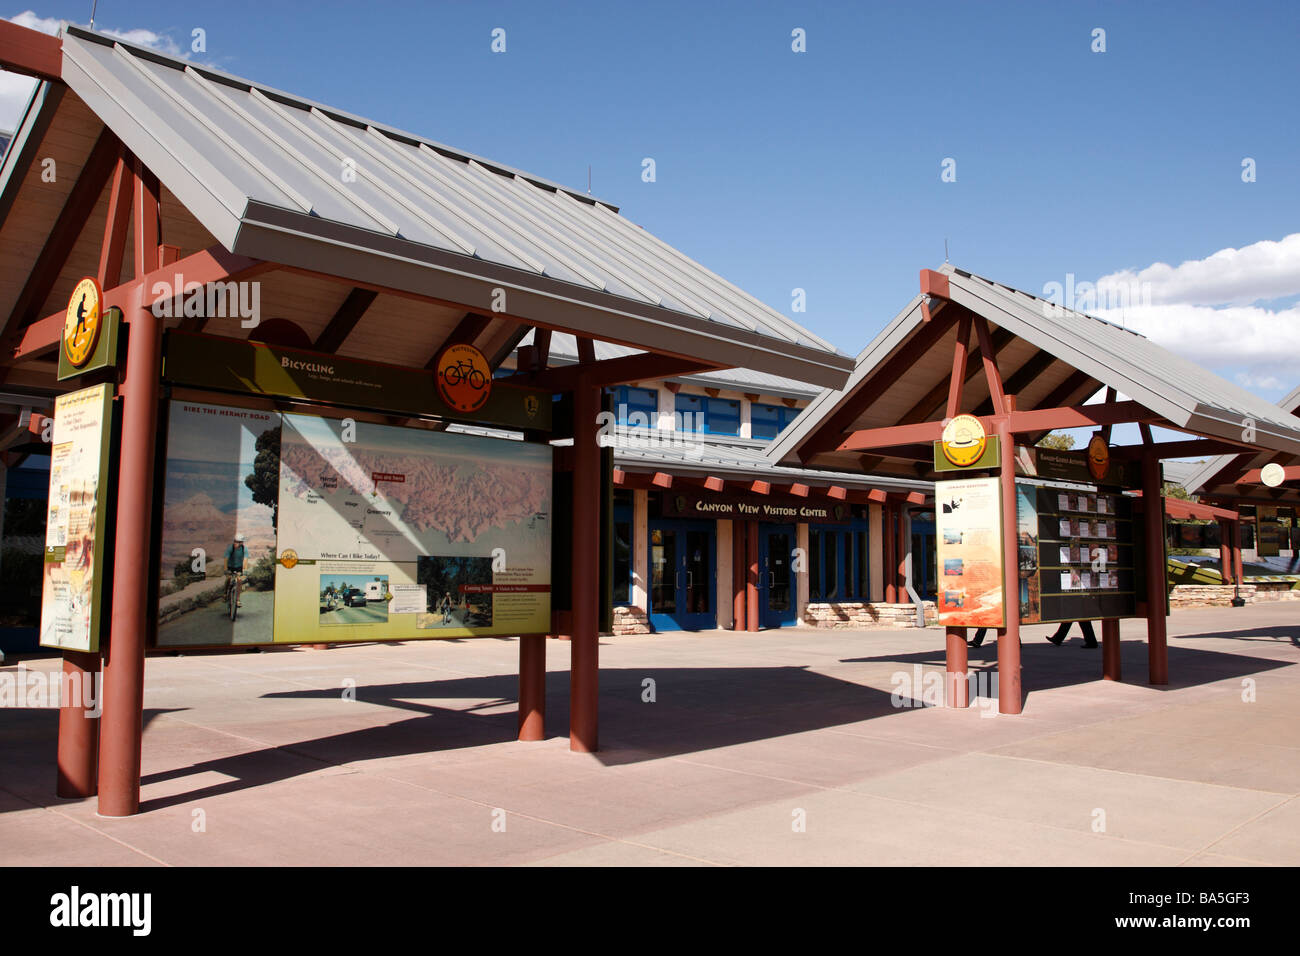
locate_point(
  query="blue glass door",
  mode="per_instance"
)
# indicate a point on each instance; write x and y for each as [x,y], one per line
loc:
[776,582]
[682,572]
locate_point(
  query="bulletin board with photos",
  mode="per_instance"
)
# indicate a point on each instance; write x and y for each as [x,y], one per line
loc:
[1081,554]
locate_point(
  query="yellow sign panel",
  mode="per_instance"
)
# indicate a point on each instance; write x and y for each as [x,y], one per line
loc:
[82,322]
[963,440]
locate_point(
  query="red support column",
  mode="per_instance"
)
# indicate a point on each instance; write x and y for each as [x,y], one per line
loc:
[891,546]
[1153,508]
[532,687]
[121,727]
[957,692]
[751,576]
[739,612]
[1238,575]
[78,731]
[1010,698]
[1226,569]
[584,669]
[900,557]
[1110,656]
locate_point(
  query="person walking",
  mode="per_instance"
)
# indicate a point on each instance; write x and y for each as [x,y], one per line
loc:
[1089,637]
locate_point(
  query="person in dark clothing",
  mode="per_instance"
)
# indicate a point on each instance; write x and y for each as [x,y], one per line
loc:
[1089,637]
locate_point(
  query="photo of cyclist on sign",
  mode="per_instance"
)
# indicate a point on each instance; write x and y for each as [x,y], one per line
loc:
[464,378]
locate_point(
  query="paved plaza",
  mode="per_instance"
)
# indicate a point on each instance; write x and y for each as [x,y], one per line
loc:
[783,747]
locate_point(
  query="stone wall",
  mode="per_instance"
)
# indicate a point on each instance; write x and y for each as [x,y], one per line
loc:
[629,619]
[855,615]
[1220,595]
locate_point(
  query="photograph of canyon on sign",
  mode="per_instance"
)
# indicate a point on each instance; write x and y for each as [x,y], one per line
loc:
[585,435]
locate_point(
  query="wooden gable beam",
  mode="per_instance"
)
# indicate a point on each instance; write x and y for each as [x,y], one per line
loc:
[30,52]
[1022,379]
[113,249]
[992,373]
[615,371]
[63,236]
[928,407]
[832,431]
[344,320]
[466,331]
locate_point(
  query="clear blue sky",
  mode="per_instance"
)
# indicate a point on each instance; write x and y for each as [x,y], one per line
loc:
[821,170]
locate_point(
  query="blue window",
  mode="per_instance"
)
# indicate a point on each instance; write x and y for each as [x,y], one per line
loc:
[768,421]
[636,407]
[839,564]
[713,416]
[622,579]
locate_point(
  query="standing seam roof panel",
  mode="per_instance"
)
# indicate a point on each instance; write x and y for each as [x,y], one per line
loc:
[252,163]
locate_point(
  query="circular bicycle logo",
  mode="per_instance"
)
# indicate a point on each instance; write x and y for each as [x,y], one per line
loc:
[81,323]
[464,378]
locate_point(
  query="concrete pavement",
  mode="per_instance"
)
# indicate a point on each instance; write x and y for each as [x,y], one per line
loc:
[785,747]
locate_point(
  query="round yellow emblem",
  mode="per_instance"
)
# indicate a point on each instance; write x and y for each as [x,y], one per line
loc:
[82,322]
[963,440]
[1098,458]
[288,557]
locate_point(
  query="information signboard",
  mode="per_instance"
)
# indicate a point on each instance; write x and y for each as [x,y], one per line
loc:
[72,586]
[351,531]
[968,537]
[1078,556]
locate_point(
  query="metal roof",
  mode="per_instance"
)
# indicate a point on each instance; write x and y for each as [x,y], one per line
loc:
[683,453]
[280,178]
[1071,356]
[564,351]
[1177,389]
[1219,475]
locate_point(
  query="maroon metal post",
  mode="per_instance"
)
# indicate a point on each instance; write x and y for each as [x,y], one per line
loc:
[1010,698]
[532,687]
[121,726]
[891,544]
[1110,657]
[738,574]
[751,582]
[957,690]
[1225,551]
[900,556]
[1238,575]
[1152,503]
[584,669]
[78,732]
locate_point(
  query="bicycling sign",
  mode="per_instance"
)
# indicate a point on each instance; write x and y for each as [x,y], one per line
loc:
[464,378]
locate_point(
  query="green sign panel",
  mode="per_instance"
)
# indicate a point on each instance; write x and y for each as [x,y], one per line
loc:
[230,365]
[990,458]
[105,352]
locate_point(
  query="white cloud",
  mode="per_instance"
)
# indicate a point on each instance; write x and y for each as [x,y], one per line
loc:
[1260,272]
[1209,310]
[16,89]
[1262,344]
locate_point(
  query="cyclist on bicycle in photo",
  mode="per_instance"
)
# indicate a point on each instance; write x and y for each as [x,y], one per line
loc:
[235,553]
